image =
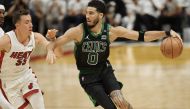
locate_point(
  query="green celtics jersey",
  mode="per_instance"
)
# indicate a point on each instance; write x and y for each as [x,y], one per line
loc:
[93,50]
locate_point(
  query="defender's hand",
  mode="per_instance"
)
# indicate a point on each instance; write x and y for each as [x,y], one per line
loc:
[51,34]
[50,58]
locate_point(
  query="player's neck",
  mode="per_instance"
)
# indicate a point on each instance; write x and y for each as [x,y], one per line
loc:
[21,37]
[97,29]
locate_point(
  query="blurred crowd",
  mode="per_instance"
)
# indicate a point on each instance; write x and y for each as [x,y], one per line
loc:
[132,14]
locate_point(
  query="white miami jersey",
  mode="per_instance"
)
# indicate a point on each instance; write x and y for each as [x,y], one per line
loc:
[1,32]
[15,63]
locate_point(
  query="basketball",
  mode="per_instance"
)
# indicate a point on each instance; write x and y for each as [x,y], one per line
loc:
[171,47]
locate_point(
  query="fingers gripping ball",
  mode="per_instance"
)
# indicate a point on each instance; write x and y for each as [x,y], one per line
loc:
[171,47]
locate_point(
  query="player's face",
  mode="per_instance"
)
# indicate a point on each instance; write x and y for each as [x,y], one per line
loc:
[1,17]
[25,24]
[92,16]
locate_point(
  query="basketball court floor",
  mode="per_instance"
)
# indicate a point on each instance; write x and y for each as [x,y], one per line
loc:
[150,80]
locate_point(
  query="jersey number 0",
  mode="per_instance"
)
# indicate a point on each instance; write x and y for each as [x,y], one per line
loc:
[92,58]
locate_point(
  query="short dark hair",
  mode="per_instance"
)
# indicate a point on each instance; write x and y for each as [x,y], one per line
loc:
[99,5]
[18,14]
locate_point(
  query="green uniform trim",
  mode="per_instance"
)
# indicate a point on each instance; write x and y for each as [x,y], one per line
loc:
[108,28]
[96,35]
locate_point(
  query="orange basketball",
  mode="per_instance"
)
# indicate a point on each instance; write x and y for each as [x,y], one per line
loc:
[171,47]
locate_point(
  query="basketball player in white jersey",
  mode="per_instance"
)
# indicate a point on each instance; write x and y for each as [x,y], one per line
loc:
[17,78]
[4,104]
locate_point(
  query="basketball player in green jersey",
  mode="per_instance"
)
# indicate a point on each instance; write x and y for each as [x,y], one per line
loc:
[92,40]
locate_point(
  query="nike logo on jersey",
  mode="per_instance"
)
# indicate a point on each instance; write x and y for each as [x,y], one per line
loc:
[103,37]
[87,37]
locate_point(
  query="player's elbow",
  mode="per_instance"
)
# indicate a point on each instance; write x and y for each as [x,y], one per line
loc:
[147,39]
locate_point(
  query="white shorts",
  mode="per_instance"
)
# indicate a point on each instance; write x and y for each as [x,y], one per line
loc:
[18,90]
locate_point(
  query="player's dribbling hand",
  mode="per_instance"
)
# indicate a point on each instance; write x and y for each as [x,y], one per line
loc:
[51,34]
[174,34]
[50,58]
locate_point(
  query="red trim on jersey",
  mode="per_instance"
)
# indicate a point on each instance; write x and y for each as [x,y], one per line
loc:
[24,104]
[2,53]
[3,92]
[30,93]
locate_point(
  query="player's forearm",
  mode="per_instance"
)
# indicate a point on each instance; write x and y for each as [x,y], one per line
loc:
[50,46]
[154,35]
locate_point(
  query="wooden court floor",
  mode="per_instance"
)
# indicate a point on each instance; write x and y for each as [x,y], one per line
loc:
[150,80]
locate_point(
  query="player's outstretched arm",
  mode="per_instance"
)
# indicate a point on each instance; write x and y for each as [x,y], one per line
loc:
[5,43]
[147,36]
[154,35]
[70,35]
[41,40]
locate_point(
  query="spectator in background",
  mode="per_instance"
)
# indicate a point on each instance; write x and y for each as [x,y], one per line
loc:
[112,16]
[187,10]
[38,15]
[55,14]
[171,15]
[115,11]
[149,12]
[132,9]
[185,20]
[14,5]
[75,13]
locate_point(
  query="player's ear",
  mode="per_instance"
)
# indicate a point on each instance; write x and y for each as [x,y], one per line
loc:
[16,24]
[101,15]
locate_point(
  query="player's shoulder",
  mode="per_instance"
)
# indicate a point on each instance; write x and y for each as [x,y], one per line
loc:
[75,30]
[36,34]
[74,33]
[116,28]
[38,37]
[5,42]
[5,38]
